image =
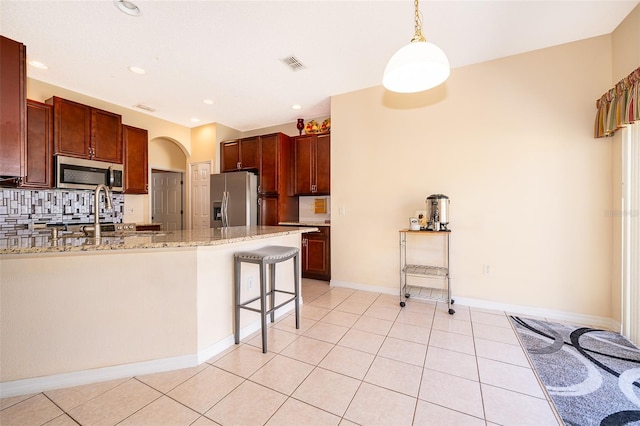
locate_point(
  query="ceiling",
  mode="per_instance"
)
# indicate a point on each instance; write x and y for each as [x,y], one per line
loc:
[231,51]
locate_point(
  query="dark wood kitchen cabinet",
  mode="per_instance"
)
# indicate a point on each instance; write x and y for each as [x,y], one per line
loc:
[39,149]
[241,154]
[316,254]
[136,160]
[268,211]
[86,132]
[312,162]
[13,109]
[274,180]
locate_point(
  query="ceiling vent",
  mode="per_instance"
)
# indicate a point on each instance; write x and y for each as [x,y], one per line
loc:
[293,63]
[145,107]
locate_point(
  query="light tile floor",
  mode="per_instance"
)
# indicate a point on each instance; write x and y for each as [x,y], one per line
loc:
[358,358]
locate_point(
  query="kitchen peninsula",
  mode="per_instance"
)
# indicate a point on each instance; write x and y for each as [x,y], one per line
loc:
[74,312]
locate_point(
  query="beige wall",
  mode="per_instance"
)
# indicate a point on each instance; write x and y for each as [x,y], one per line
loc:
[511,143]
[626,46]
[203,142]
[625,41]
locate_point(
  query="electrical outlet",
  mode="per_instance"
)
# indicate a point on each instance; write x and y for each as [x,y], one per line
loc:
[249,283]
[486,269]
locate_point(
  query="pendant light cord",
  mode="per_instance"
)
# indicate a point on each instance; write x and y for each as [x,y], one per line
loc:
[418,35]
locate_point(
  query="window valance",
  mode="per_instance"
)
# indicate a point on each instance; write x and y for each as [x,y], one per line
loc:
[618,106]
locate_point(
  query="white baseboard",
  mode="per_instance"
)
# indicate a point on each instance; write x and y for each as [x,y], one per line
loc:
[83,377]
[550,314]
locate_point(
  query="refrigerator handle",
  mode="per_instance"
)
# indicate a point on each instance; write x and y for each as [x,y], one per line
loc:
[224,209]
[225,213]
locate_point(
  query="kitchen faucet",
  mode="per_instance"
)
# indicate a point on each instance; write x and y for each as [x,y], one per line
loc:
[96,207]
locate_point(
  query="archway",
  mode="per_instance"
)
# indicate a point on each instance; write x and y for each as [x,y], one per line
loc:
[167,168]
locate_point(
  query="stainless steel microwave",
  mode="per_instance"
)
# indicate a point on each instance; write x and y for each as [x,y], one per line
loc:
[79,173]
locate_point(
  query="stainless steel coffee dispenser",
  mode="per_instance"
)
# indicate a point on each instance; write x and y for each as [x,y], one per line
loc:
[437,212]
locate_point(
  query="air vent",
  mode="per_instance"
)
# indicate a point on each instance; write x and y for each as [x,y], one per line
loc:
[145,107]
[293,63]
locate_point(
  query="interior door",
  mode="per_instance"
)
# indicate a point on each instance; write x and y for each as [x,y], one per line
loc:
[200,180]
[167,199]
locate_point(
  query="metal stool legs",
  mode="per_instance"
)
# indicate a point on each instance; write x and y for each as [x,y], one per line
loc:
[266,257]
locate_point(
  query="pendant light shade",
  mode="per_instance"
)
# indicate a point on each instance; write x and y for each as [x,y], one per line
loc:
[417,66]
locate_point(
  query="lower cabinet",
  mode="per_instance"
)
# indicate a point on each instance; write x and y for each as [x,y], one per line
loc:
[268,211]
[316,254]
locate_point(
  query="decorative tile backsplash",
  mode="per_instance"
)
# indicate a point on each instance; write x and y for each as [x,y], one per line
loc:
[21,209]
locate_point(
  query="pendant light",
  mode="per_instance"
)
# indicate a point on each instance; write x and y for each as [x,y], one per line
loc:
[418,66]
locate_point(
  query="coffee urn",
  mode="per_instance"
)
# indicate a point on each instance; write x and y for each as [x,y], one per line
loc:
[437,212]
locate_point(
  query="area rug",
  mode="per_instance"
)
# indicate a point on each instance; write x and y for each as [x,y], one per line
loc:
[592,376]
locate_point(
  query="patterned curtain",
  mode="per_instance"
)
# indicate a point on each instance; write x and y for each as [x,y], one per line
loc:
[619,106]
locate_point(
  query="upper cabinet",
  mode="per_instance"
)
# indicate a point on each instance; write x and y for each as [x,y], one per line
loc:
[312,164]
[13,109]
[106,136]
[136,166]
[86,132]
[39,150]
[241,154]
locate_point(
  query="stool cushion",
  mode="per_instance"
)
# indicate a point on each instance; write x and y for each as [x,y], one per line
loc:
[269,253]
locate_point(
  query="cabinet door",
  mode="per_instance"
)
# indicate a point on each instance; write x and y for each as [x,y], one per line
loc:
[323,164]
[136,174]
[268,211]
[106,136]
[71,128]
[12,107]
[39,156]
[229,156]
[249,153]
[269,164]
[316,260]
[303,164]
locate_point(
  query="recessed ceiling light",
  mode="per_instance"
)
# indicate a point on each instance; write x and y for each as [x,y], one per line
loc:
[208,101]
[195,120]
[128,7]
[137,70]
[296,106]
[38,65]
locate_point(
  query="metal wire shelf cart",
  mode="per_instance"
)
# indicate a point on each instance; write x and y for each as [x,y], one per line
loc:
[409,270]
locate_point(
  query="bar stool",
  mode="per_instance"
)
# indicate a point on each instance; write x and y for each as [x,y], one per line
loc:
[270,255]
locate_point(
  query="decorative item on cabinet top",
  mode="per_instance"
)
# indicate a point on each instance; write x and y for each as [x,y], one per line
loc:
[325,127]
[312,127]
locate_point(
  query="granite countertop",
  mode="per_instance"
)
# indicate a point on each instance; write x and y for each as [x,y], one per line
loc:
[305,223]
[145,239]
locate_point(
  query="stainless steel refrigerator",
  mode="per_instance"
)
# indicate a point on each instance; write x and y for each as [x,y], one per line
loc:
[234,199]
